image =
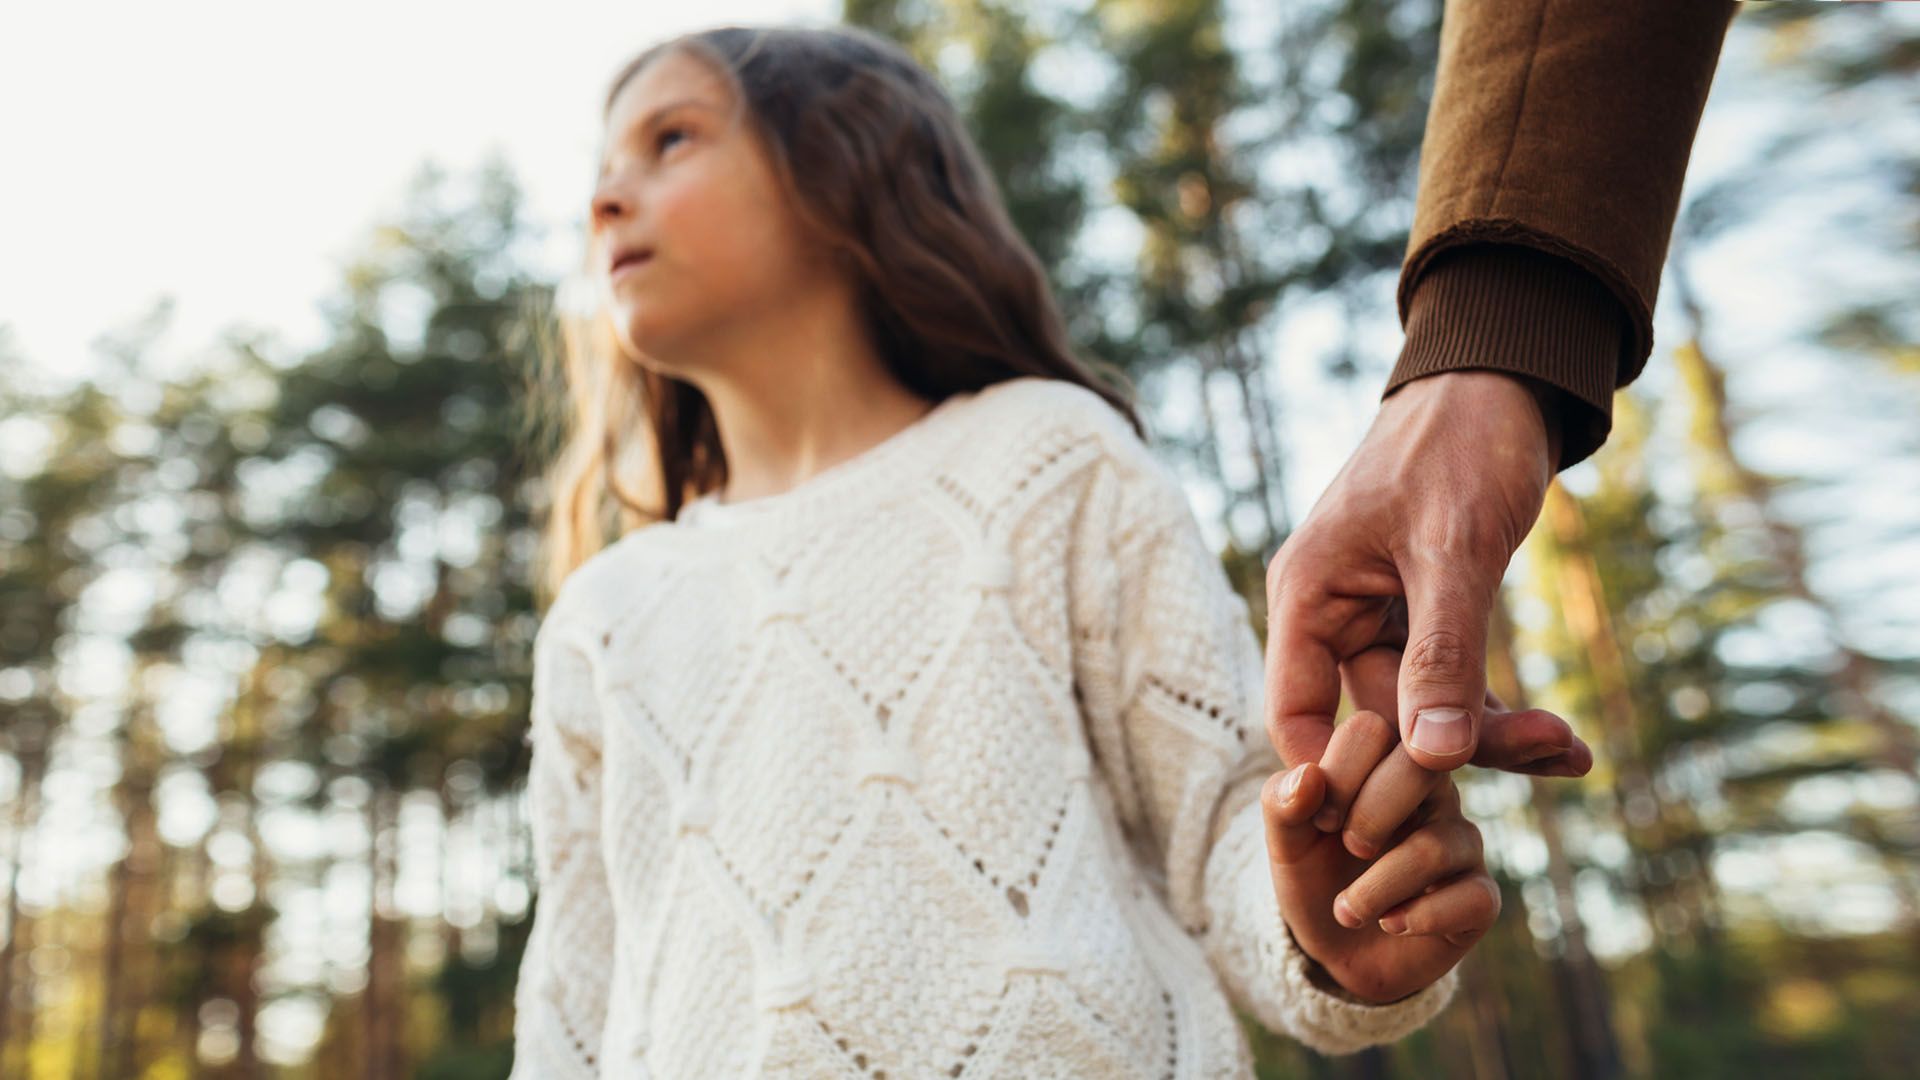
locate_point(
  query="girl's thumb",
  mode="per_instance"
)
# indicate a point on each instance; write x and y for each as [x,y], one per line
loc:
[1290,800]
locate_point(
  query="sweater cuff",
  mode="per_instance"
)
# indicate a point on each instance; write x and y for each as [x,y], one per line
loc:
[1336,1024]
[1513,308]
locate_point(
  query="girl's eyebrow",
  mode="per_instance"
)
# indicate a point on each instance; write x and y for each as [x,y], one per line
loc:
[654,117]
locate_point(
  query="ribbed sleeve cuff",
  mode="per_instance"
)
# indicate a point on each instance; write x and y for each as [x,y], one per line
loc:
[1514,308]
[1336,1025]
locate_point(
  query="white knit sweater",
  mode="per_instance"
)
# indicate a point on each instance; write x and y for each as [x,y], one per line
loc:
[944,763]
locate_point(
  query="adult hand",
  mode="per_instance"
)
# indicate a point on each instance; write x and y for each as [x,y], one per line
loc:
[1400,561]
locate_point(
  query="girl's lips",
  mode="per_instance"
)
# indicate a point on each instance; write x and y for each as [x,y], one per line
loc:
[629,264]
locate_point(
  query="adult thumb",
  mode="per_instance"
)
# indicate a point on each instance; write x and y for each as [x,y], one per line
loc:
[1443,672]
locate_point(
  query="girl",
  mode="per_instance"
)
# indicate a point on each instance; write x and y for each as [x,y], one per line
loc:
[910,728]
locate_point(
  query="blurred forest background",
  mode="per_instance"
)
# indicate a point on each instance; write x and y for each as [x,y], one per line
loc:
[264,642]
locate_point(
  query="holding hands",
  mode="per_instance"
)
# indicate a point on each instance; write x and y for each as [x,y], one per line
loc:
[1386,591]
[1393,900]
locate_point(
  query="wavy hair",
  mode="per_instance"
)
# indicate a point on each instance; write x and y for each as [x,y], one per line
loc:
[879,168]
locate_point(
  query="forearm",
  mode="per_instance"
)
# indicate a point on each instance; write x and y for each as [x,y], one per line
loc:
[1563,130]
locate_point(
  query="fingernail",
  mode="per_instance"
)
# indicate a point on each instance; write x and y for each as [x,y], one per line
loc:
[1441,731]
[1395,923]
[1327,820]
[1344,914]
[1291,783]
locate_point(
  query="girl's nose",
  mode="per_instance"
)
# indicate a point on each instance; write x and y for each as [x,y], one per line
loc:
[608,205]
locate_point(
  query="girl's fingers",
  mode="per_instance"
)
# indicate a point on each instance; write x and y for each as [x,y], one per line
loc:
[1357,746]
[1460,910]
[1289,801]
[1431,854]
[1387,798]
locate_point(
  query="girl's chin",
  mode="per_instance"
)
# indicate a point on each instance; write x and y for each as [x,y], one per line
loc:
[646,345]
[637,331]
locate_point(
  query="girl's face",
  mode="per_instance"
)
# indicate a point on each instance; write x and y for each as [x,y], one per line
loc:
[693,194]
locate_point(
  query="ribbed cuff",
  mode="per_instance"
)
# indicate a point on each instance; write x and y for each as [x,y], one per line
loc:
[1336,1024]
[1514,308]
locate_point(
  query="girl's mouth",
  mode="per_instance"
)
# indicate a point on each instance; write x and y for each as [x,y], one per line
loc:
[627,260]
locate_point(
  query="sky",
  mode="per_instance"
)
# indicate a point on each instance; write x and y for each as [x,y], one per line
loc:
[234,155]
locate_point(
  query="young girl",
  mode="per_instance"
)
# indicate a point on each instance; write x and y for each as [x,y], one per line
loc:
[910,728]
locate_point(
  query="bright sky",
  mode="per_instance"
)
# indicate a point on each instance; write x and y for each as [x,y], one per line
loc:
[235,154]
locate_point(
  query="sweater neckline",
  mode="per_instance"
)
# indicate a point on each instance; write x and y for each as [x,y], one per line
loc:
[869,469]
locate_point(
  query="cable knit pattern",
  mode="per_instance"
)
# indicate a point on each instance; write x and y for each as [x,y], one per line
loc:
[944,763]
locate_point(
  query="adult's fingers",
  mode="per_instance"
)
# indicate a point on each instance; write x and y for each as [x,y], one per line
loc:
[1288,802]
[1357,746]
[1427,857]
[1302,664]
[1532,741]
[1575,762]
[1443,676]
[1371,678]
[1461,910]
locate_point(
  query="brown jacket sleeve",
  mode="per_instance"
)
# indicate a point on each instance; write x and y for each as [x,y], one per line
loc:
[1550,176]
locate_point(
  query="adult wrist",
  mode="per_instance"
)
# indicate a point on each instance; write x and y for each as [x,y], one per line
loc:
[1527,313]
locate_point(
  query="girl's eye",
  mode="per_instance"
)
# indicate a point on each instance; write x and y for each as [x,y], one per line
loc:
[659,141]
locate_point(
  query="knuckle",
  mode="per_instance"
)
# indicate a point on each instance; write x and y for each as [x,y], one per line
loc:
[1430,848]
[1453,544]
[1438,654]
[1371,728]
[1462,845]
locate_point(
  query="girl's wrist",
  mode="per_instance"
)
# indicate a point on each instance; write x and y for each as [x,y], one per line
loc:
[1323,980]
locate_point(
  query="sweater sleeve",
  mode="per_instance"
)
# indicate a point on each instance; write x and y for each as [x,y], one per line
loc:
[560,999]
[1171,681]
[1554,155]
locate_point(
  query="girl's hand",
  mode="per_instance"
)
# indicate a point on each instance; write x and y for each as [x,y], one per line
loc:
[1385,928]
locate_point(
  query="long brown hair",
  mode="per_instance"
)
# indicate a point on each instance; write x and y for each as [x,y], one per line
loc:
[878,166]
